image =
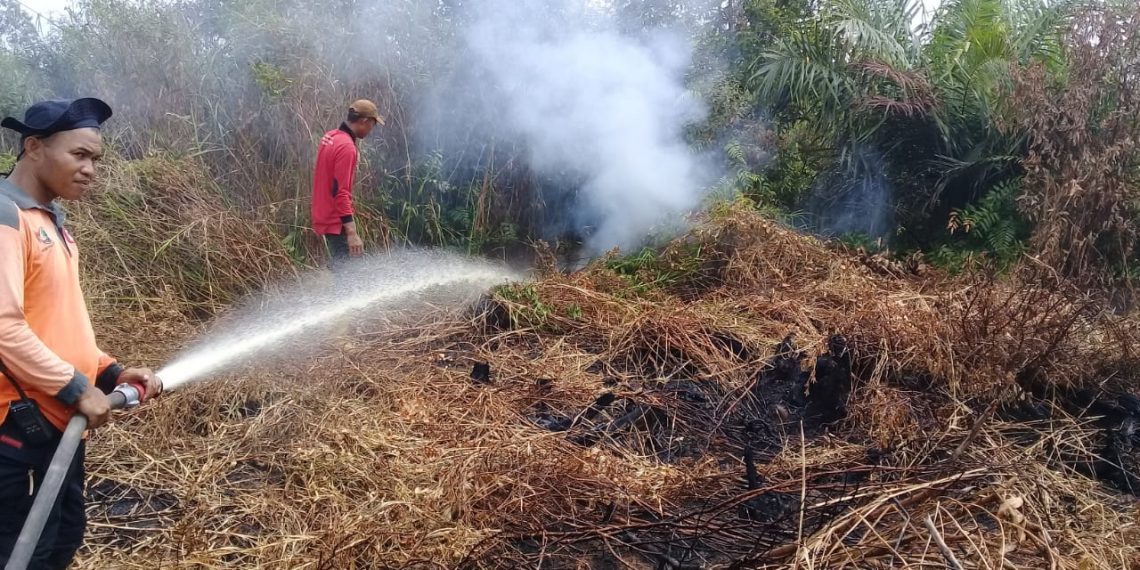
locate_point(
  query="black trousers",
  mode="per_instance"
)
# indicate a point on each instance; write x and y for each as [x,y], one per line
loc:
[337,245]
[21,475]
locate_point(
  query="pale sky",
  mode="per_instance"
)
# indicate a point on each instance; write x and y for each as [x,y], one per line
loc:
[46,7]
[52,8]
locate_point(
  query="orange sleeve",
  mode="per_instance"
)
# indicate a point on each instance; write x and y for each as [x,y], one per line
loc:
[105,361]
[32,364]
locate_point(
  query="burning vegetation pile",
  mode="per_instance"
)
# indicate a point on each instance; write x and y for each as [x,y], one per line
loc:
[746,397]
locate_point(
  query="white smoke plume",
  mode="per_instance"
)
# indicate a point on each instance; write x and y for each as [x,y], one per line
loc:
[596,105]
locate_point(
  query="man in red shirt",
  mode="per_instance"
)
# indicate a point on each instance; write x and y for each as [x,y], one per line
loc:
[332,182]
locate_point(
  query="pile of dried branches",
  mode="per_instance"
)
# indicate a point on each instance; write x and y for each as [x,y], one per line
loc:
[772,403]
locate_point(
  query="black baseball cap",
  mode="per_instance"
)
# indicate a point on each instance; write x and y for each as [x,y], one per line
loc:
[57,115]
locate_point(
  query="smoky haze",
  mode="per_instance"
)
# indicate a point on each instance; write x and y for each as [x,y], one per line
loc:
[590,96]
[853,200]
[601,110]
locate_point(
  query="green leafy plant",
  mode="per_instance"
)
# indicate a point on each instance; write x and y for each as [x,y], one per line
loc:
[526,307]
[860,240]
[991,232]
[574,312]
[271,78]
[653,269]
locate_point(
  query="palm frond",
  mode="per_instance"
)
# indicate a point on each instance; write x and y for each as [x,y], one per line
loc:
[876,30]
[1039,29]
[805,71]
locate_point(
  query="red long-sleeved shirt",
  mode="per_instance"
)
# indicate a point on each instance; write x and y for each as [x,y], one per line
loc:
[332,181]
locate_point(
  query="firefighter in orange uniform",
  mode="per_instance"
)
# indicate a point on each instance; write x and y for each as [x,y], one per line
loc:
[50,364]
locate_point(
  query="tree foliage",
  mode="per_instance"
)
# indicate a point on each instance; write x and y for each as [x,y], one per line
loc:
[1082,170]
[924,97]
[988,128]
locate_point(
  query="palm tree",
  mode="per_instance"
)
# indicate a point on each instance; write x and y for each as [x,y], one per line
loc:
[869,75]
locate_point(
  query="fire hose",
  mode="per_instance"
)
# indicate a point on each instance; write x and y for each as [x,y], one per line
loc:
[124,396]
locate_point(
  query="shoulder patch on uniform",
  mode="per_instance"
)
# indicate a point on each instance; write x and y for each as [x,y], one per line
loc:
[9,213]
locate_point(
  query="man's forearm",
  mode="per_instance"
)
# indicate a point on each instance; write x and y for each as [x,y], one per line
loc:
[349,228]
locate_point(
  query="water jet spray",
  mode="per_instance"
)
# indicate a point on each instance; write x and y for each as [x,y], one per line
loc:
[373,283]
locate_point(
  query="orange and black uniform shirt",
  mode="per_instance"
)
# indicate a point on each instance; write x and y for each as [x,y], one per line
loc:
[47,343]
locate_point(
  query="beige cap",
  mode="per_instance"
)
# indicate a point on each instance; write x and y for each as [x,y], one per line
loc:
[366,109]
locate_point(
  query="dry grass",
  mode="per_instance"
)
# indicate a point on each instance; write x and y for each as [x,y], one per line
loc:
[389,455]
[162,238]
